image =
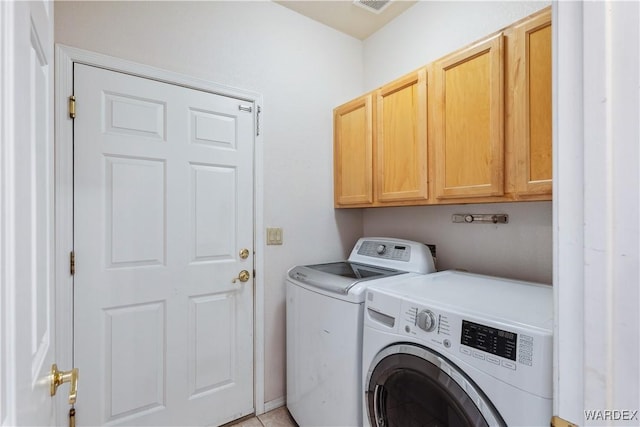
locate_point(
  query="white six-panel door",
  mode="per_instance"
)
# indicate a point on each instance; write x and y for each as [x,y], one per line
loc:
[27,329]
[163,207]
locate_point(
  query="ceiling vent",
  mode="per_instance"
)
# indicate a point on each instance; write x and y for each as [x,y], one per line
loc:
[374,6]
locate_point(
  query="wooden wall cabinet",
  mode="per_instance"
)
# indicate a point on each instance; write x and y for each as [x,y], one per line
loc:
[468,121]
[529,128]
[380,145]
[488,123]
[353,152]
[401,139]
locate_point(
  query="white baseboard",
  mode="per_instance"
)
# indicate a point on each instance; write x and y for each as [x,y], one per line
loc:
[274,404]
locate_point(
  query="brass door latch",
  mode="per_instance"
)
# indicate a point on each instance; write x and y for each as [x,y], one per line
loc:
[61,377]
[243,276]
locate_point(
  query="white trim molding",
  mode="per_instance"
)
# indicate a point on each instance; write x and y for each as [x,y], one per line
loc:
[7,217]
[568,209]
[596,212]
[65,58]
[274,404]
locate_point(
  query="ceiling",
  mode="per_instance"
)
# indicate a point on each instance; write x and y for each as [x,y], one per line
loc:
[347,17]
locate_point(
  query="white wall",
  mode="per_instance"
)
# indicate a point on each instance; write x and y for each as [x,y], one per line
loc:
[303,70]
[521,249]
[427,31]
[431,29]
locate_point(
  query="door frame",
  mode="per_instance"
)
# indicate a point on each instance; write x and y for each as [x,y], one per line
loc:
[595,207]
[65,57]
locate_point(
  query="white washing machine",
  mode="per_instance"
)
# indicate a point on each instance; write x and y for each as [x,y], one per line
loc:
[324,305]
[458,349]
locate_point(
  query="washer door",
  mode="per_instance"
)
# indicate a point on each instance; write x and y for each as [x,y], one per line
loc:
[408,385]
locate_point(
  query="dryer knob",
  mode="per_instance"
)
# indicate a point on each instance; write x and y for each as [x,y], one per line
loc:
[381,249]
[426,320]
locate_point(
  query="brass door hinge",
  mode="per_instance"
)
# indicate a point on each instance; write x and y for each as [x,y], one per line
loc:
[72,107]
[258,121]
[556,421]
[72,263]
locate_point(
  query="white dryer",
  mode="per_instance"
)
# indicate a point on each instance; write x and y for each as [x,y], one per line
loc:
[325,304]
[457,349]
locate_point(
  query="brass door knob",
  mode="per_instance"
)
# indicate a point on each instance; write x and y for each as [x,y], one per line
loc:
[243,276]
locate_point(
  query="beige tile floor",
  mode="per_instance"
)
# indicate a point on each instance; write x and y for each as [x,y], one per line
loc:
[277,418]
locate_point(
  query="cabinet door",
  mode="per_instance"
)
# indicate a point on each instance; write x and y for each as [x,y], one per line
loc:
[352,152]
[530,80]
[469,121]
[401,139]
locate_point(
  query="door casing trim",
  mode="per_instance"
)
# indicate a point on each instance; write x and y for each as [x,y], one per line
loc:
[65,57]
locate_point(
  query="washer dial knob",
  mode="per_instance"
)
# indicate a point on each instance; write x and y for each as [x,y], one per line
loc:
[381,249]
[426,320]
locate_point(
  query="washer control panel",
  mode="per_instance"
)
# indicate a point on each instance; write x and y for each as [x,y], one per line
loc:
[396,254]
[388,250]
[496,348]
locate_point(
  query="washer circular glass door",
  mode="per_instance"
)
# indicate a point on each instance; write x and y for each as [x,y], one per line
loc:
[408,385]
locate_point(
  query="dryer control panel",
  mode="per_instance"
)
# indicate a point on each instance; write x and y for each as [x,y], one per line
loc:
[488,339]
[499,349]
[499,327]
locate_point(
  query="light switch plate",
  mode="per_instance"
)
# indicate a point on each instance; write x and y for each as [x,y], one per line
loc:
[274,236]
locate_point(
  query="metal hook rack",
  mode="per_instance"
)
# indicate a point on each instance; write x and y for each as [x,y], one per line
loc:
[480,218]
